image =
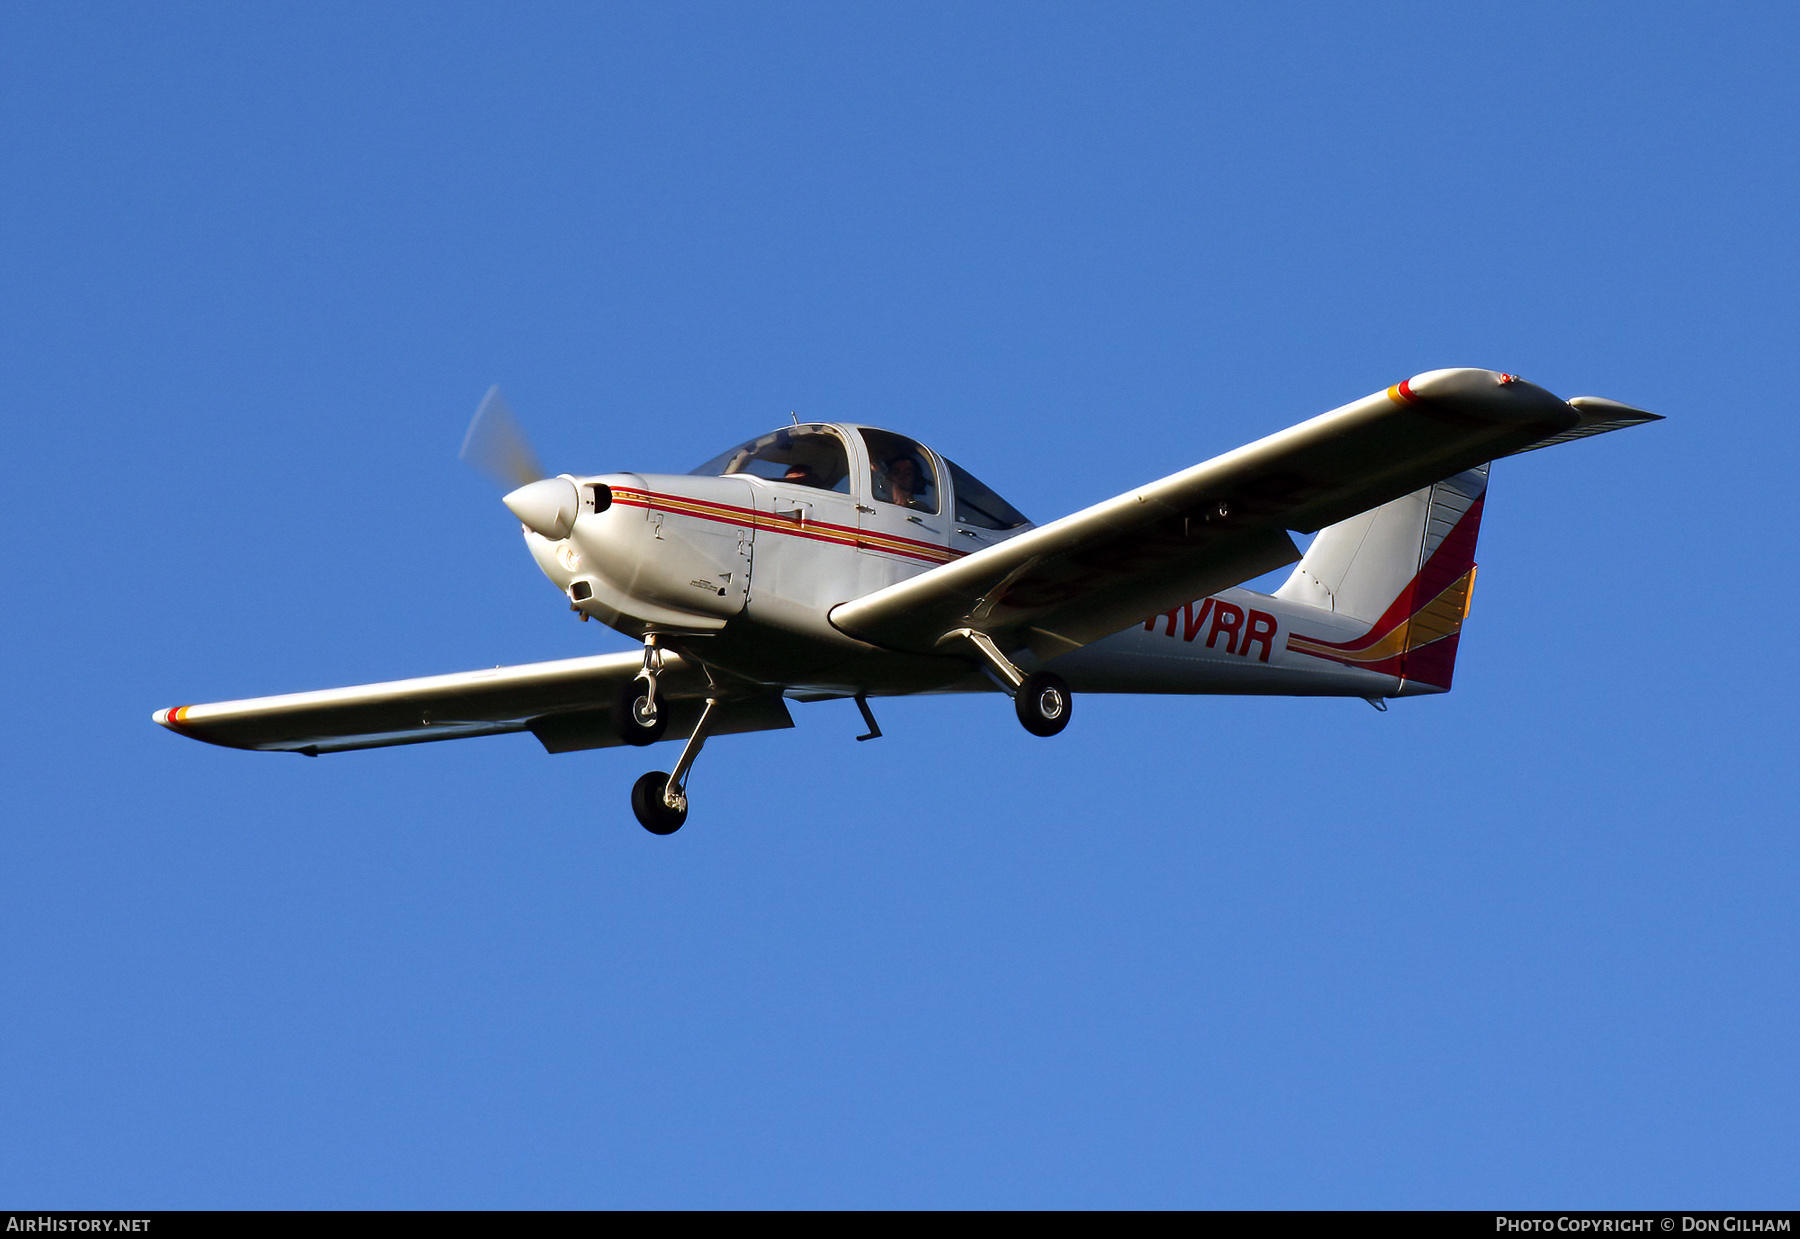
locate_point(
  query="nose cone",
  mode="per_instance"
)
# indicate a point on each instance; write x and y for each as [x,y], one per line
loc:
[548,507]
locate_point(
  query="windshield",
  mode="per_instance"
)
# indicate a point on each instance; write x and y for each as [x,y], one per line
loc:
[797,455]
[978,506]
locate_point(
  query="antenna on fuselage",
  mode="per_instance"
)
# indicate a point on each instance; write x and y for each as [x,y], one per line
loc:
[795,416]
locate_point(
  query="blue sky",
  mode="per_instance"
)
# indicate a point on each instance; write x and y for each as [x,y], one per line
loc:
[1531,944]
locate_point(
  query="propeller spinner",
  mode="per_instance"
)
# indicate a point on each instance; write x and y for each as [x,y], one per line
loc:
[548,507]
[496,445]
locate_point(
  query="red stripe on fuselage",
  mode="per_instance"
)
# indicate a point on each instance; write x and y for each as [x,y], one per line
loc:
[815,531]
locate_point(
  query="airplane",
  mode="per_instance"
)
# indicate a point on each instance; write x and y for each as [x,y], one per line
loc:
[827,561]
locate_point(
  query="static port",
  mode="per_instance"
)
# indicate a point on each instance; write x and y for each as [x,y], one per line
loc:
[581,591]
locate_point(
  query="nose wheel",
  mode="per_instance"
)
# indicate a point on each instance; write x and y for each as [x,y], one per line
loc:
[640,718]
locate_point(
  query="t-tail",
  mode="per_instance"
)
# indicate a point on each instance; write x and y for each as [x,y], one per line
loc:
[1373,609]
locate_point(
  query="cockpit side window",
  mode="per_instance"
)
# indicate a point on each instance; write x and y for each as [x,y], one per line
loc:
[900,472]
[978,506]
[798,455]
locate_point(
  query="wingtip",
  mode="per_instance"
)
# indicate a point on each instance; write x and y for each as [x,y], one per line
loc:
[1597,408]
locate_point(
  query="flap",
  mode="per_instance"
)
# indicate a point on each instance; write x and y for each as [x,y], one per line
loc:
[578,730]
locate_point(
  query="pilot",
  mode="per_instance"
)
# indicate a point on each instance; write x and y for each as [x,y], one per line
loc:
[901,483]
[801,475]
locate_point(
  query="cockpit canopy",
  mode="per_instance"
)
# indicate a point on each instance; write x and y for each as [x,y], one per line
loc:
[901,472]
[801,455]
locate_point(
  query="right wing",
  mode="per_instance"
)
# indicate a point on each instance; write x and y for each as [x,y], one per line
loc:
[566,704]
[1059,586]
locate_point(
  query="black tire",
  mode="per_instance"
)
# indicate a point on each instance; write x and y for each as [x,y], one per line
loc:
[653,814]
[1043,703]
[628,716]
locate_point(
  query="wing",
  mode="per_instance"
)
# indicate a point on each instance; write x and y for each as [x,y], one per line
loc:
[567,704]
[1062,585]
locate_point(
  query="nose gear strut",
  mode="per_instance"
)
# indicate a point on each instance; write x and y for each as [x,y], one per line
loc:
[641,719]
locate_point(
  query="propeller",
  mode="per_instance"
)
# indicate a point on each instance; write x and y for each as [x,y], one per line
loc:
[496,445]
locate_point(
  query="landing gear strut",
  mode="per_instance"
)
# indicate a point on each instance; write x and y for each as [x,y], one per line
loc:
[660,800]
[639,716]
[1041,699]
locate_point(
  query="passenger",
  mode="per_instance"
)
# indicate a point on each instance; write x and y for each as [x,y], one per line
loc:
[901,483]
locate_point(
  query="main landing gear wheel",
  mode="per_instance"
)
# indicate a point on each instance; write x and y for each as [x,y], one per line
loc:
[654,813]
[660,800]
[640,719]
[1043,703]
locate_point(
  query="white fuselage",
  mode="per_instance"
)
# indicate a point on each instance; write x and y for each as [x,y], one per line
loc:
[743,572]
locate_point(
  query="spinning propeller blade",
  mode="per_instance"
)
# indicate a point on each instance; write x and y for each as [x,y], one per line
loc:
[497,445]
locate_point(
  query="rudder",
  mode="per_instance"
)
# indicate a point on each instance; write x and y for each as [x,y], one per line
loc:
[1407,568]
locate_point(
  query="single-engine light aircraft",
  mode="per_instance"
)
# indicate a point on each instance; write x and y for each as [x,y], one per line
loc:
[829,561]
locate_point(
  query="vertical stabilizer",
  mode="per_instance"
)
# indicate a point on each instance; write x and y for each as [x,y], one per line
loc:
[1406,569]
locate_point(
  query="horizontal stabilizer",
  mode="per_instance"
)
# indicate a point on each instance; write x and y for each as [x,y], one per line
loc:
[1598,415]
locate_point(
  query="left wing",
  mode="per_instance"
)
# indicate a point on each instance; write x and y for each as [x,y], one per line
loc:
[566,704]
[1059,586]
